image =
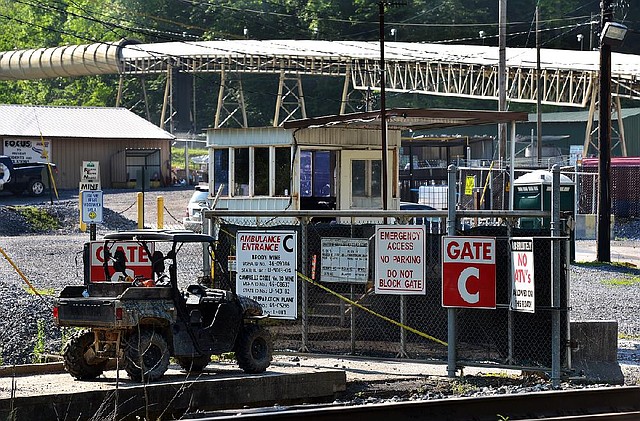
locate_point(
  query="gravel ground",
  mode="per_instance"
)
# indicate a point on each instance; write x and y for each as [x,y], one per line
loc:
[51,260]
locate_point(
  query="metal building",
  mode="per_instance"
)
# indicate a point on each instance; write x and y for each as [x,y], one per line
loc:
[129,148]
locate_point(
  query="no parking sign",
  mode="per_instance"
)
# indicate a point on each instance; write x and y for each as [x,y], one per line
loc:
[469,272]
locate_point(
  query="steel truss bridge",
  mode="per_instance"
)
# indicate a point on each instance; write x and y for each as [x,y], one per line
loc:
[567,77]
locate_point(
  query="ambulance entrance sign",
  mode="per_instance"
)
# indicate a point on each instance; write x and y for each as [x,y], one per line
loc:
[266,270]
[469,272]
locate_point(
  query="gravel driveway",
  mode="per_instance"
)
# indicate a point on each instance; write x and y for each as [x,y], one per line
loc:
[52,260]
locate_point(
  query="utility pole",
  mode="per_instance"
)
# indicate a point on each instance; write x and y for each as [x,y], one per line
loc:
[383,110]
[383,104]
[502,84]
[538,90]
[604,140]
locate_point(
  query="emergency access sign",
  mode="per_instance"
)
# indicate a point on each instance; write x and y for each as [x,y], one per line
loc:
[469,272]
[400,266]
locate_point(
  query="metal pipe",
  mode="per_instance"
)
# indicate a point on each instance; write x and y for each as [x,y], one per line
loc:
[451,312]
[304,347]
[555,275]
[374,213]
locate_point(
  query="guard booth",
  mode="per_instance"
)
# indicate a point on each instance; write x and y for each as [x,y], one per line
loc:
[332,162]
[275,168]
[532,191]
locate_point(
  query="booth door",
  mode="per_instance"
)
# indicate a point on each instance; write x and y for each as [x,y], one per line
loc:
[360,180]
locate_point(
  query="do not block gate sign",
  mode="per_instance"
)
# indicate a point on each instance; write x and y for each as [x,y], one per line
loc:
[469,272]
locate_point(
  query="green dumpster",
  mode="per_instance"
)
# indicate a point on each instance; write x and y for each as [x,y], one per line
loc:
[532,191]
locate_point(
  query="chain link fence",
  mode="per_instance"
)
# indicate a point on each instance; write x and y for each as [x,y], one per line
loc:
[344,316]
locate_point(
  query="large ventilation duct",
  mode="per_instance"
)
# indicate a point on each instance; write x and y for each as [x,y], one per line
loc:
[67,61]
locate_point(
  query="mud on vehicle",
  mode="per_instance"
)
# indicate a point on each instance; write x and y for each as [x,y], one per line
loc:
[131,308]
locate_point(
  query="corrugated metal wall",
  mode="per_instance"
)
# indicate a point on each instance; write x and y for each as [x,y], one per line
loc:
[68,155]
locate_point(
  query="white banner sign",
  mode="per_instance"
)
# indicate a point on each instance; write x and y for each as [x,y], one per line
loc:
[400,262]
[25,150]
[266,263]
[523,287]
[344,260]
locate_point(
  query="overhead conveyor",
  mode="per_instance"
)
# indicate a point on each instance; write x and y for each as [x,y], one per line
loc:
[568,77]
[67,61]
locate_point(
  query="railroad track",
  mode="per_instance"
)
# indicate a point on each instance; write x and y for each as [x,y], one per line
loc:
[608,403]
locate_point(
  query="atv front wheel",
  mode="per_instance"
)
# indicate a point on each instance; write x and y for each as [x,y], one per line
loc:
[254,349]
[194,363]
[78,355]
[146,356]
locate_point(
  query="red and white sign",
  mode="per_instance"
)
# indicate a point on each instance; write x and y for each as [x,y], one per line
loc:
[137,263]
[400,267]
[469,272]
[523,296]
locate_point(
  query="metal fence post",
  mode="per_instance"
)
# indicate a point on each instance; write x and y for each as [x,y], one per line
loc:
[305,271]
[403,332]
[555,276]
[510,325]
[451,312]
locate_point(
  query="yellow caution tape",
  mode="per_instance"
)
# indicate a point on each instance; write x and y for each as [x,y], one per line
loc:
[35,291]
[360,306]
[368,310]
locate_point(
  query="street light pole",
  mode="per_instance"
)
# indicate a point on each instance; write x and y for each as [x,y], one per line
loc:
[604,141]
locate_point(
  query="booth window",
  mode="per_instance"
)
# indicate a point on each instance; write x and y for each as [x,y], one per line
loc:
[316,173]
[283,171]
[221,170]
[261,171]
[241,171]
[365,178]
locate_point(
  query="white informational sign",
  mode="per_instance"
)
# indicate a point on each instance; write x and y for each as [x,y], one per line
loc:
[24,150]
[400,261]
[89,185]
[523,287]
[344,260]
[266,263]
[575,154]
[90,171]
[92,203]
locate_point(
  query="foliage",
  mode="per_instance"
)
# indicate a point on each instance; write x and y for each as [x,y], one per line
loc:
[622,282]
[35,24]
[177,157]
[37,218]
[40,346]
[462,388]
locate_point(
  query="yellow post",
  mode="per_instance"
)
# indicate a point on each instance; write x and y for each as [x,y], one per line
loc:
[83,226]
[160,212]
[140,200]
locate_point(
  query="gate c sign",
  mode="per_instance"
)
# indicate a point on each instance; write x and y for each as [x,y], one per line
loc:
[469,272]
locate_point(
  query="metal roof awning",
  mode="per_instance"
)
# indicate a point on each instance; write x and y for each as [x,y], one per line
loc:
[410,119]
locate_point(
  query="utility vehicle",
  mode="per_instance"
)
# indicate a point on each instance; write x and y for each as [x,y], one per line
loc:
[130,309]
